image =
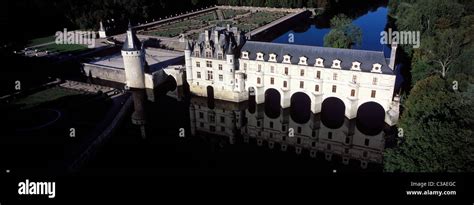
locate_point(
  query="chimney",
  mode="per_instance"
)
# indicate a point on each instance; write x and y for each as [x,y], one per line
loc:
[216,37]
[393,56]
[207,35]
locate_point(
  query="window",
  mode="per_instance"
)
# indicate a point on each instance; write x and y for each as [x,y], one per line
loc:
[374,81]
[259,69]
[198,74]
[334,89]
[286,70]
[328,146]
[334,76]
[318,74]
[301,84]
[348,140]
[329,135]
[201,115]
[212,118]
[354,78]
[209,64]
[353,92]
[245,66]
[272,81]
[316,88]
[313,144]
[313,133]
[209,75]
[272,69]
[372,95]
[366,142]
[271,124]
[298,140]
[208,54]
[302,72]
[222,129]
[222,119]
[346,150]
[221,77]
[299,130]
[319,62]
[220,66]
[285,84]
[258,81]
[219,56]
[198,64]
[196,54]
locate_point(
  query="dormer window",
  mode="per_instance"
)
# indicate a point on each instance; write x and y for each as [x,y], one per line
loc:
[303,60]
[319,62]
[260,56]
[286,59]
[196,54]
[219,56]
[272,57]
[336,64]
[355,66]
[376,68]
[245,55]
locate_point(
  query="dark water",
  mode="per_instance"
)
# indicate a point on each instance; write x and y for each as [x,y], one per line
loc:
[203,135]
[371,23]
[241,138]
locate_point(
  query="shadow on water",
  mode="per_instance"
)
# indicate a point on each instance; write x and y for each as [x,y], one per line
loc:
[272,103]
[231,136]
[300,107]
[332,112]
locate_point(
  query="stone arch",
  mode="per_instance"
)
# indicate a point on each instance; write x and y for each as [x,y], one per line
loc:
[252,104]
[272,102]
[300,107]
[210,96]
[333,112]
[370,118]
[169,84]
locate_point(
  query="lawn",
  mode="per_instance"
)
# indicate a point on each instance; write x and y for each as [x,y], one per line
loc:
[47,95]
[63,48]
[38,41]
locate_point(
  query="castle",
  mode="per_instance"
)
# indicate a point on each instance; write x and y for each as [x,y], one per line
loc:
[221,64]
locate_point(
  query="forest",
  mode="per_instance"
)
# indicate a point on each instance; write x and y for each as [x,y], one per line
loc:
[436,126]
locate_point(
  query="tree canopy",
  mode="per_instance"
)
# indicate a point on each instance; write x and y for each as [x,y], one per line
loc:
[343,33]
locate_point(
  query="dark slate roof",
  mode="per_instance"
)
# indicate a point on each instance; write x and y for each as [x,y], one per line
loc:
[136,45]
[228,38]
[346,56]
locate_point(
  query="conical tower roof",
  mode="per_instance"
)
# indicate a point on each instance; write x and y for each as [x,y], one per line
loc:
[131,43]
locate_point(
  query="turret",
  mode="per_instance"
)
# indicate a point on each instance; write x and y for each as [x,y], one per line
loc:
[133,60]
[188,62]
[393,56]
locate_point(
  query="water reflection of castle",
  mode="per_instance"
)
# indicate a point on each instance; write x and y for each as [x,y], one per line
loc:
[234,120]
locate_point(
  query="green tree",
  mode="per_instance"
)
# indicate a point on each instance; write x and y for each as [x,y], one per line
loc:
[444,47]
[437,129]
[343,33]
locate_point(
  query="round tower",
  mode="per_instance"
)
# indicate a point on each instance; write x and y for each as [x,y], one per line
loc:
[230,64]
[133,60]
[188,62]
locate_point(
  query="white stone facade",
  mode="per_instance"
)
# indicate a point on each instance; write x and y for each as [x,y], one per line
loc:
[318,72]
